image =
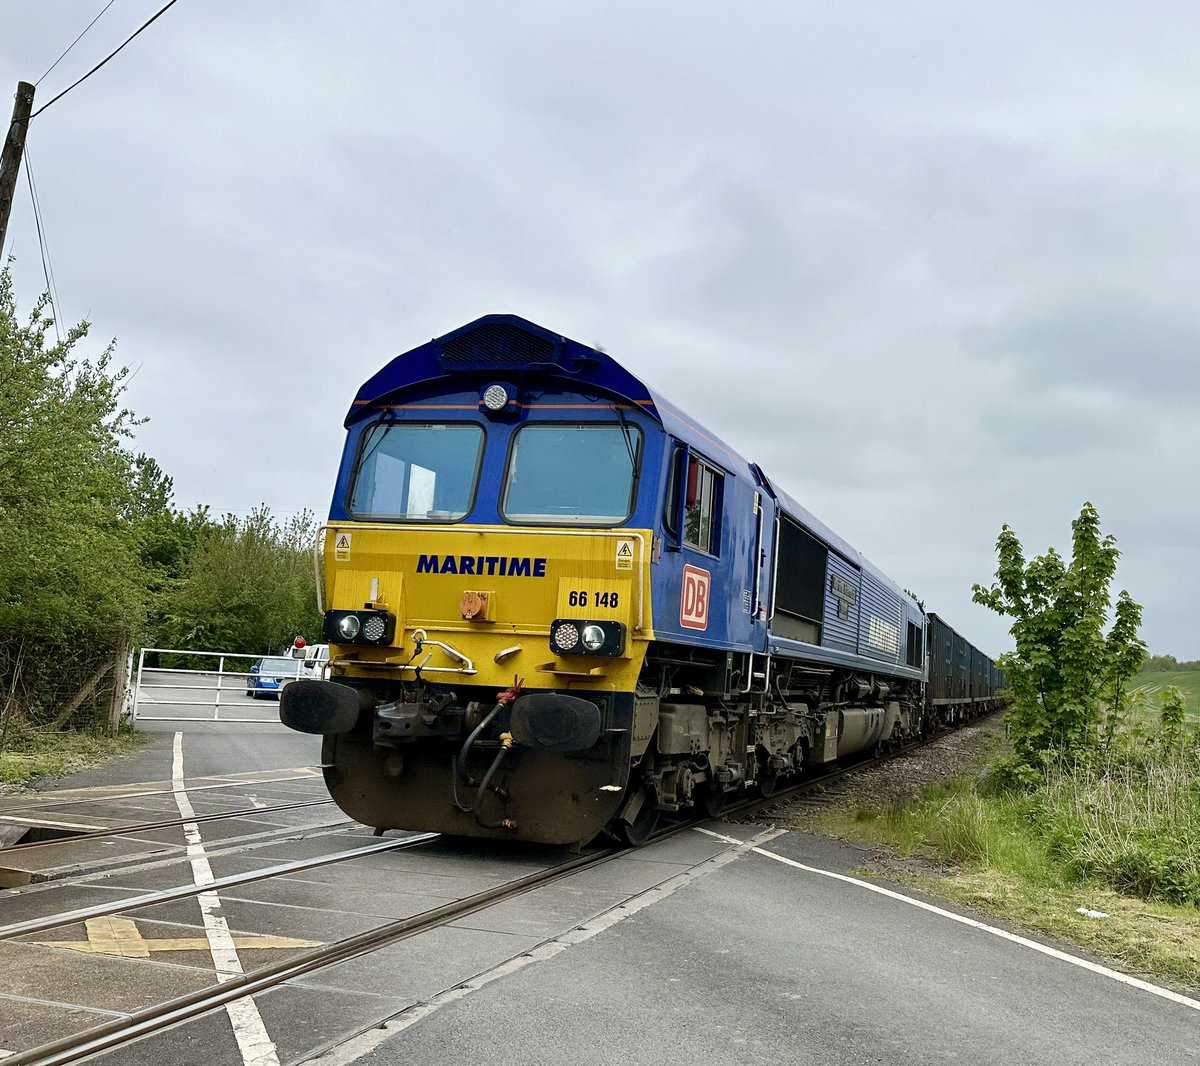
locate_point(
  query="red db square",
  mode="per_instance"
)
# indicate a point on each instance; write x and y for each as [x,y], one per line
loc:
[693,603]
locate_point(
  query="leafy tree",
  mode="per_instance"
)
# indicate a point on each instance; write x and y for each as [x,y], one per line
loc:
[1064,670]
[1169,664]
[1172,719]
[71,577]
[151,490]
[68,564]
[247,585]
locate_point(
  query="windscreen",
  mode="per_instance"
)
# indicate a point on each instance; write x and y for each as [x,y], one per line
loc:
[580,474]
[417,471]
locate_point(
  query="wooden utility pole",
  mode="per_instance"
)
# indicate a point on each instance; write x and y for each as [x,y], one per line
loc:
[10,162]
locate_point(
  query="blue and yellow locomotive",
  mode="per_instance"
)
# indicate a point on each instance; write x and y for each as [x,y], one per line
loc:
[556,606]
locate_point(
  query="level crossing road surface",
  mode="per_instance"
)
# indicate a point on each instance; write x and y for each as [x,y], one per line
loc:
[742,959]
[762,962]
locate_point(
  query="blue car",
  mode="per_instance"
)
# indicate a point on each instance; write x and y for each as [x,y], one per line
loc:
[268,676]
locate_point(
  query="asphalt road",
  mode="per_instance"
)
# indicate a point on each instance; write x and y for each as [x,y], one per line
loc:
[225,732]
[760,962]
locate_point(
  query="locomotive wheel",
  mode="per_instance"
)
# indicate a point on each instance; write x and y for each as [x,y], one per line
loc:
[714,802]
[641,829]
[769,784]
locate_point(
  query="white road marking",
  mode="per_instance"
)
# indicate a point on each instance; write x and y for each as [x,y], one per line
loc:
[256,1046]
[1054,953]
[84,827]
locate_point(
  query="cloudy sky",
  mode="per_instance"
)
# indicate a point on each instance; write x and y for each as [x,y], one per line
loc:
[932,265]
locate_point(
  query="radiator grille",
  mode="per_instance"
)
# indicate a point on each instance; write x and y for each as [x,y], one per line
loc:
[496,346]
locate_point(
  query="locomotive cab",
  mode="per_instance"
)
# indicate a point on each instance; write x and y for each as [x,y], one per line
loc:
[488,588]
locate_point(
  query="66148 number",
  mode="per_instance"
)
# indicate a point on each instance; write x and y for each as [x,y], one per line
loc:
[582,598]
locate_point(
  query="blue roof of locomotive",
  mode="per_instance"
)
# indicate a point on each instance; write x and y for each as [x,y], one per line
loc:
[501,346]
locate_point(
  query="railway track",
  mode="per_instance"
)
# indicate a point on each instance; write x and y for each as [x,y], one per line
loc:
[172,1012]
[169,823]
[117,796]
[38,838]
[171,895]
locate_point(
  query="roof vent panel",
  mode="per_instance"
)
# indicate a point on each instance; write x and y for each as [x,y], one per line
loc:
[497,346]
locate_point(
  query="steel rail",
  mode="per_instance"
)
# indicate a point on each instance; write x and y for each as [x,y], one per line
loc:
[155,792]
[170,895]
[146,827]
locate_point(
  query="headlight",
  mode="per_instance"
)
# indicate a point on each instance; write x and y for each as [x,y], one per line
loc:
[499,400]
[359,627]
[564,636]
[495,397]
[373,628]
[574,636]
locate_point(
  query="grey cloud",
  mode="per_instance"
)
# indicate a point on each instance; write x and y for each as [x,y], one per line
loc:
[930,265]
[1117,341]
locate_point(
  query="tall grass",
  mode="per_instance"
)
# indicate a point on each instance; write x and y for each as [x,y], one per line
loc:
[1132,822]
[961,824]
[1127,819]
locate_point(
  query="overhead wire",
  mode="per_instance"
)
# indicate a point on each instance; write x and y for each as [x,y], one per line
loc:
[161,11]
[76,41]
[43,244]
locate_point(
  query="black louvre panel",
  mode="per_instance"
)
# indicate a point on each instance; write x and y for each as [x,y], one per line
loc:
[496,345]
[800,582]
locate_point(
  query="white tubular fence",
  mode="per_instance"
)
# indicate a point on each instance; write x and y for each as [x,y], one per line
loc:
[219,688]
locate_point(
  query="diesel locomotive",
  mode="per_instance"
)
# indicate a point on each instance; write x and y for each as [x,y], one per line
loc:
[556,607]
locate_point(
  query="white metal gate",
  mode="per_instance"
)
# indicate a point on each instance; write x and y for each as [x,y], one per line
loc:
[228,689]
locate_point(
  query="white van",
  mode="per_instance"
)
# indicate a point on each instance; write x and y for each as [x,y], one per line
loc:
[315,657]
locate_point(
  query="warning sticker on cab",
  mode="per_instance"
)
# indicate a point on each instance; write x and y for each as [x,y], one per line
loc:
[624,555]
[341,548]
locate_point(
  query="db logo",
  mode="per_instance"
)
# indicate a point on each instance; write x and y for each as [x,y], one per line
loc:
[693,604]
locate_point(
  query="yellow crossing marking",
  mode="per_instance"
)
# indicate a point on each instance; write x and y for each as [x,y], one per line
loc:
[121,937]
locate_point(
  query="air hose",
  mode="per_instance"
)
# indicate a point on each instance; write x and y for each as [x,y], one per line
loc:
[504,823]
[459,772]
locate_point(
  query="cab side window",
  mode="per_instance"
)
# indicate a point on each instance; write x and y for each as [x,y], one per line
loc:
[702,507]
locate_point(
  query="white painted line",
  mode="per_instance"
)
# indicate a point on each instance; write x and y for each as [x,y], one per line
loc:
[1054,953]
[256,1046]
[356,1047]
[86,827]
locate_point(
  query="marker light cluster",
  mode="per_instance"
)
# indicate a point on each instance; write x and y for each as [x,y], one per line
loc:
[576,636]
[499,400]
[359,627]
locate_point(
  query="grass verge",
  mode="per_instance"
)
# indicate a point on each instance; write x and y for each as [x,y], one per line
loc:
[35,756]
[1034,859]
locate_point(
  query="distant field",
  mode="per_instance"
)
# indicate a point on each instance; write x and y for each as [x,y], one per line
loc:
[1152,684]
